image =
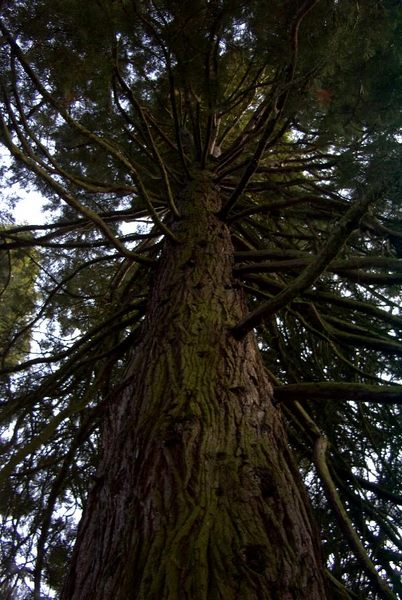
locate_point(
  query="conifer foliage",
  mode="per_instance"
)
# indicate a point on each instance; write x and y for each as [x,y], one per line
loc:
[289,114]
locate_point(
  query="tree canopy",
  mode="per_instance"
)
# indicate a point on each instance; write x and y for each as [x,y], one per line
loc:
[293,110]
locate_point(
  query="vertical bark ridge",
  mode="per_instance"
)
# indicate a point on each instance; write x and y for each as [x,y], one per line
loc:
[196,497]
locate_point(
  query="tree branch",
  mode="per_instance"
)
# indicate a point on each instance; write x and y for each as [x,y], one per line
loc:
[353,539]
[311,273]
[342,391]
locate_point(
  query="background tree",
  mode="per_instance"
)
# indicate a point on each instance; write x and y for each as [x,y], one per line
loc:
[254,150]
[18,271]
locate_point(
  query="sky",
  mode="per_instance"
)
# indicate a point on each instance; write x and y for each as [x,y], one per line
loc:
[29,208]
[27,204]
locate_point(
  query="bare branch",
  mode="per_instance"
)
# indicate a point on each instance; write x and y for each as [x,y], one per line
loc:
[353,539]
[339,390]
[311,273]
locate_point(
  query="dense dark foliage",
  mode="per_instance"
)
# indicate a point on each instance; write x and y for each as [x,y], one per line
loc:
[107,108]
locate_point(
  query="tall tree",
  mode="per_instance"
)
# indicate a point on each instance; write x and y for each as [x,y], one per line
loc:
[219,308]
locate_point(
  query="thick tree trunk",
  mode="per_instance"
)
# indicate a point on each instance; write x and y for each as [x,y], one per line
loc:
[196,495]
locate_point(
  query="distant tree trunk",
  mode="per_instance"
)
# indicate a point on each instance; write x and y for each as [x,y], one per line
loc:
[196,495]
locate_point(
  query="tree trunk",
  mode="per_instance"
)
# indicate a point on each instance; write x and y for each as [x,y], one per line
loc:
[196,495]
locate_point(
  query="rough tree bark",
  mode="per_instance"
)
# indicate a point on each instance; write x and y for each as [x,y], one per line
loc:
[196,495]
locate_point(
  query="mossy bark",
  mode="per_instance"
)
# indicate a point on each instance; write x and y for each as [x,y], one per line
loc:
[196,496]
